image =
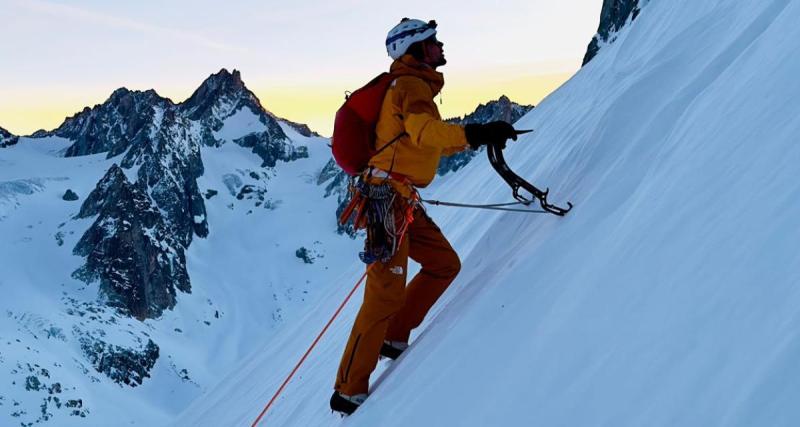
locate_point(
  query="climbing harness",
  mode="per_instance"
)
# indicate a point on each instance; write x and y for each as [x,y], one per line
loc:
[383,213]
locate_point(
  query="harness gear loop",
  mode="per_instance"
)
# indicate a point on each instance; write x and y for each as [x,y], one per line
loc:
[381,211]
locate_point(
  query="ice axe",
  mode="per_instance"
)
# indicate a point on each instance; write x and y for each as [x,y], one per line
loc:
[495,153]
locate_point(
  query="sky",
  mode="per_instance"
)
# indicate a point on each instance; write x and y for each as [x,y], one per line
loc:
[299,58]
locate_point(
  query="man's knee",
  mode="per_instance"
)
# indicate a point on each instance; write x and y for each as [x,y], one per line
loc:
[455,265]
[447,266]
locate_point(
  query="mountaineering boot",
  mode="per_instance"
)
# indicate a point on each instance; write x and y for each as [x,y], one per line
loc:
[393,349]
[346,404]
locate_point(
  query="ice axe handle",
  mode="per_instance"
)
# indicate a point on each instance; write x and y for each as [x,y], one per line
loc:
[522,131]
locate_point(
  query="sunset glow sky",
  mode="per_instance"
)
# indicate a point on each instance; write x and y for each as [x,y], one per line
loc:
[298,57]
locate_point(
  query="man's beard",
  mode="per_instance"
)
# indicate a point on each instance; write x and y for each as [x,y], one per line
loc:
[440,62]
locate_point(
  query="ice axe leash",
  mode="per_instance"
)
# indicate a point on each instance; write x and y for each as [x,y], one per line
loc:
[493,206]
[498,162]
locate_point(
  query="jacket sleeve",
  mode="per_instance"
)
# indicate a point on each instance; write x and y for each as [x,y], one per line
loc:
[420,118]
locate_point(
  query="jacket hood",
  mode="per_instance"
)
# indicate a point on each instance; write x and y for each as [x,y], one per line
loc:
[407,65]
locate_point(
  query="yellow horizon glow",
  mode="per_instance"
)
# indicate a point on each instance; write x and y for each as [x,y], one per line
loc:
[314,104]
[317,107]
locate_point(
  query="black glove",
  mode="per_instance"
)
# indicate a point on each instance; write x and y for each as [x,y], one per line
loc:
[495,133]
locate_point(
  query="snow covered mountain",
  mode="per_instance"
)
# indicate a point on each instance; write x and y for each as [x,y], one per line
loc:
[104,288]
[668,296]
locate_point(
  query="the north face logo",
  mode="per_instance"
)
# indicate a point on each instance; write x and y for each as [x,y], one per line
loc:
[397,270]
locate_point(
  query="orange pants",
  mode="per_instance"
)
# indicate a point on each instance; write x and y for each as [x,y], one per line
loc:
[391,309]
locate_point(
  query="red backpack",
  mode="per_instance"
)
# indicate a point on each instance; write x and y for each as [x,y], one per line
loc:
[353,139]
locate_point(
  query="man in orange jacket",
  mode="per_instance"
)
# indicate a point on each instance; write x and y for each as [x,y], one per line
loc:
[415,137]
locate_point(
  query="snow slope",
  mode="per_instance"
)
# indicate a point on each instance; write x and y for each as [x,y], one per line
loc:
[667,297]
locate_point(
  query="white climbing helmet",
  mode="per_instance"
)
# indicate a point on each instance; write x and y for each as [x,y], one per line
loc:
[406,33]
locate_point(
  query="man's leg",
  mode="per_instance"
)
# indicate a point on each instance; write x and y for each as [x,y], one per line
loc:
[383,297]
[440,265]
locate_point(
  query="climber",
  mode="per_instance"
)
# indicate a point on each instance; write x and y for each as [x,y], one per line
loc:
[410,139]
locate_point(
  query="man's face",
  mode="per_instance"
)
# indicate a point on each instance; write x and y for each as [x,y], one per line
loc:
[434,52]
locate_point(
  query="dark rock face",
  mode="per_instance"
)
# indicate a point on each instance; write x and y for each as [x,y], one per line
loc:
[502,109]
[337,184]
[7,139]
[122,121]
[171,147]
[270,148]
[129,366]
[613,16]
[70,195]
[130,249]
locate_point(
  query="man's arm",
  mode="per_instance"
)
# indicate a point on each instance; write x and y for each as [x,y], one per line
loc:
[419,118]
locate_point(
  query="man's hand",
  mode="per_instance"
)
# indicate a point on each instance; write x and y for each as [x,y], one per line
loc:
[495,133]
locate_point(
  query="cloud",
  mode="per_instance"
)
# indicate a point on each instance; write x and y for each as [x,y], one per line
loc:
[85,15]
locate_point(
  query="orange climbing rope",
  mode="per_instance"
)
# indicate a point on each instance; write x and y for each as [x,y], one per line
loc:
[407,218]
[291,374]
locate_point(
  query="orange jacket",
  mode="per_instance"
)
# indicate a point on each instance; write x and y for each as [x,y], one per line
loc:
[408,107]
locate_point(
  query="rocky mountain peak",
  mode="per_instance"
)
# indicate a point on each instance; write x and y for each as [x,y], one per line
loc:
[501,109]
[122,120]
[219,95]
[225,79]
[128,98]
[223,95]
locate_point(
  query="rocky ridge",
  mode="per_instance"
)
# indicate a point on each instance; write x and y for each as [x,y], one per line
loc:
[613,16]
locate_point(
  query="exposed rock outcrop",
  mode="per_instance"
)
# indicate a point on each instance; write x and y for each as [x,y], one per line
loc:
[7,139]
[130,249]
[613,16]
[70,195]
